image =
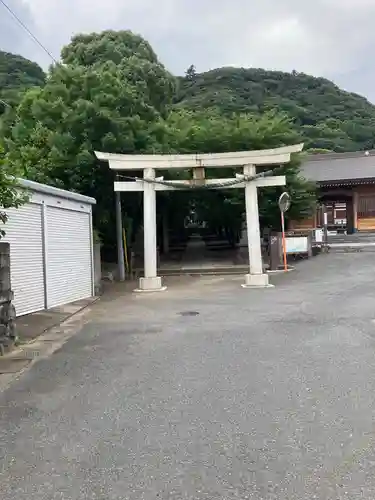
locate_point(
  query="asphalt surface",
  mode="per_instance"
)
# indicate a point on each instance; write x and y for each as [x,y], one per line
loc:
[265,394]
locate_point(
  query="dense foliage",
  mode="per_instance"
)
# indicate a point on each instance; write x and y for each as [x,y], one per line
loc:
[10,194]
[17,74]
[207,131]
[326,116]
[107,105]
[112,94]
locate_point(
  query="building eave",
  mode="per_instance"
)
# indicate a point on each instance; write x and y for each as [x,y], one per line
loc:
[346,182]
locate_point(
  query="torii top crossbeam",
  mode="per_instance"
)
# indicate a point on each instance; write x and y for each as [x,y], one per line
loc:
[275,156]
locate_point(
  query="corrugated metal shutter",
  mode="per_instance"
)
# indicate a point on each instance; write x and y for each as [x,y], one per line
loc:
[24,233]
[69,274]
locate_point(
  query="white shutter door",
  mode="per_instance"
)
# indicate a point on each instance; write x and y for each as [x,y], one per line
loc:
[68,268]
[24,233]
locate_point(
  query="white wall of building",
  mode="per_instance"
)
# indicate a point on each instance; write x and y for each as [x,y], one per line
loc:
[51,248]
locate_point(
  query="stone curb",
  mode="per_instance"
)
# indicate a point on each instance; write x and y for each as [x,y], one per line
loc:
[42,346]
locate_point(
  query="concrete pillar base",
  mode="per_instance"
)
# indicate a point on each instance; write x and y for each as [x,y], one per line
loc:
[150,285]
[257,281]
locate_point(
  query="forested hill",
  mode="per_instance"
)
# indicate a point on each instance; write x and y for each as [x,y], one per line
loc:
[17,74]
[328,117]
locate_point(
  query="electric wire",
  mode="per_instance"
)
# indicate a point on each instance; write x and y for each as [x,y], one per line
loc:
[28,31]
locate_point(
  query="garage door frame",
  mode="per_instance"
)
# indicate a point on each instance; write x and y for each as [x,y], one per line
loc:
[24,233]
[46,243]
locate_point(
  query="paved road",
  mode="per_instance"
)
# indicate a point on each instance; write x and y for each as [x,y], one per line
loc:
[264,395]
[352,238]
[364,241]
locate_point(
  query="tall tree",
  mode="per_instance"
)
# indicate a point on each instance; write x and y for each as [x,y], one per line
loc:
[98,48]
[191,74]
[209,131]
[109,96]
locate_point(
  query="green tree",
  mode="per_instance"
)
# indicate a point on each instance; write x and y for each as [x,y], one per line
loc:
[107,97]
[209,131]
[112,94]
[98,48]
[10,194]
[191,74]
[318,151]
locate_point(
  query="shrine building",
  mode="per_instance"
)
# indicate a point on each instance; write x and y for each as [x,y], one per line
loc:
[346,186]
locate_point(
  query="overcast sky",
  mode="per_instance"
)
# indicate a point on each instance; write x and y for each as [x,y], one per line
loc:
[331,38]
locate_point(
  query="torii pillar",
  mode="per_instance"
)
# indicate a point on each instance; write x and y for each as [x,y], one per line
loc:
[249,160]
[256,277]
[151,282]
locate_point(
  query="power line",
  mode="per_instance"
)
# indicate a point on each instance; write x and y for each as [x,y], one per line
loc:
[28,31]
[5,103]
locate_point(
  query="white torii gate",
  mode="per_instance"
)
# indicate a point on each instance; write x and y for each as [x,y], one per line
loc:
[249,160]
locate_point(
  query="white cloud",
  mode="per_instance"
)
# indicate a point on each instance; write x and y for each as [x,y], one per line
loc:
[332,38]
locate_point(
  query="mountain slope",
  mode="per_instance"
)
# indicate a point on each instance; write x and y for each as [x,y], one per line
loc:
[327,117]
[17,74]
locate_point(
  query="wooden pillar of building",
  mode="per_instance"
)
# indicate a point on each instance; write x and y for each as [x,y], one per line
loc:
[349,216]
[355,210]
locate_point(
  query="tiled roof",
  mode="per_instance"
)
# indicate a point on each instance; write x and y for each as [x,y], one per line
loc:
[325,168]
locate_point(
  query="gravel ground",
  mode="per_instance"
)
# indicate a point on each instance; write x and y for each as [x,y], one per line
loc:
[265,394]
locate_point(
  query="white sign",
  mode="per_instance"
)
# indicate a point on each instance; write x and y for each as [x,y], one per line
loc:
[340,222]
[298,244]
[319,235]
